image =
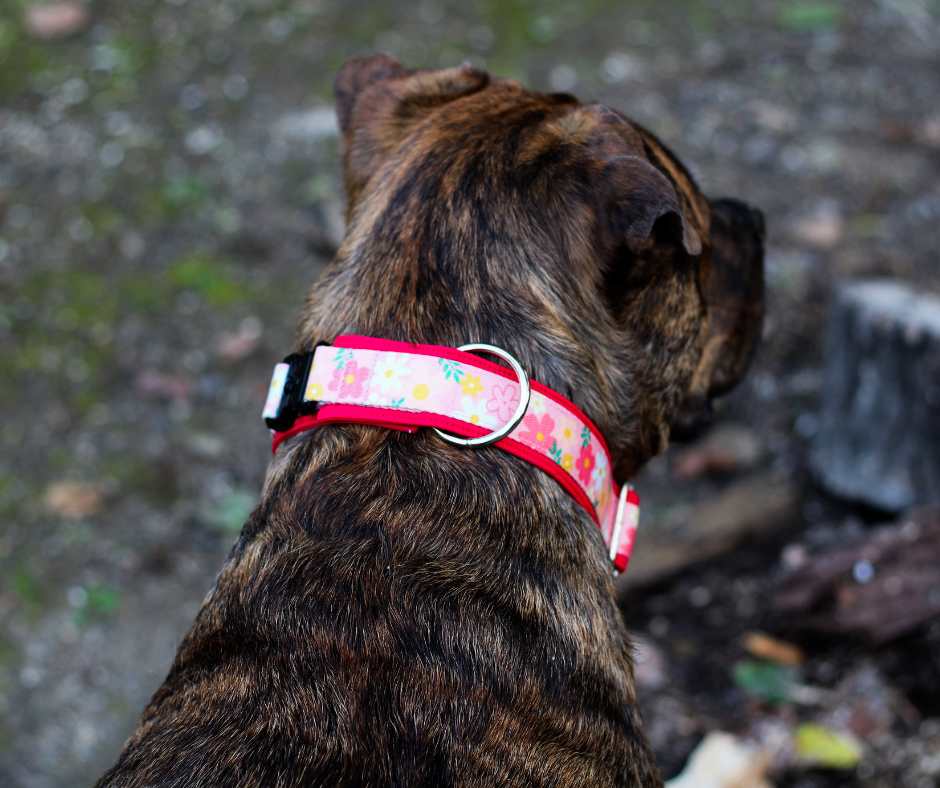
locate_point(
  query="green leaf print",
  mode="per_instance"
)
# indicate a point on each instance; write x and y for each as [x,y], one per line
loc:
[342,356]
[452,369]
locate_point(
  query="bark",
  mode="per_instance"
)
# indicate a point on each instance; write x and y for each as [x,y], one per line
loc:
[879,437]
[881,587]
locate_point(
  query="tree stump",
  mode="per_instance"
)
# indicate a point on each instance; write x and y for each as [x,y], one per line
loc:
[879,434]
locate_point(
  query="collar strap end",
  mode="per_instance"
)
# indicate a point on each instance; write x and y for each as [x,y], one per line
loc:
[285,400]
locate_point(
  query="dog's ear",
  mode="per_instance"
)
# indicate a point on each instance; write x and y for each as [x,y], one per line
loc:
[378,102]
[643,208]
[355,76]
[644,194]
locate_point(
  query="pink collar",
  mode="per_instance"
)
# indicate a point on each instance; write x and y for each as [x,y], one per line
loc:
[403,386]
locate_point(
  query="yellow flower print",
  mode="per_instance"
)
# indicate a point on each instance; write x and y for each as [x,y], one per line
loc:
[566,432]
[474,411]
[314,391]
[471,385]
[420,391]
[567,461]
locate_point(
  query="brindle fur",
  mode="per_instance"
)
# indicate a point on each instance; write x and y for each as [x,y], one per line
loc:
[398,611]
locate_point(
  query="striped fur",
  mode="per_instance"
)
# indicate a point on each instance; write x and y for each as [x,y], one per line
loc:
[398,611]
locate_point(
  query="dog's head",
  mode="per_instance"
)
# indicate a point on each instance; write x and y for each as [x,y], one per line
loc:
[479,211]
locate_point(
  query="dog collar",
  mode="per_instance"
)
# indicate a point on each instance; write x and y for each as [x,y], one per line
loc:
[467,400]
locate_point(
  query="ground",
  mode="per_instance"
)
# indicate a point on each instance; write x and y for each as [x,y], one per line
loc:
[169,188]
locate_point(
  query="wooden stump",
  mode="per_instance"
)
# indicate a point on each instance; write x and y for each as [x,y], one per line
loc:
[879,435]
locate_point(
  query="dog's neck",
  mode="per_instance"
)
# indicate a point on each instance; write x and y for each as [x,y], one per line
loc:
[412,488]
[377,289]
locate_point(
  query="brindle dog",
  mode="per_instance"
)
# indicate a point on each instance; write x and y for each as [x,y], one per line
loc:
[399,611]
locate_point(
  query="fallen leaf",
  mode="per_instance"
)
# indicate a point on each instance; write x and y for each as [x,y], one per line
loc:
[159,384]
[930,132]
[765,680]
[236,345]
[50,21]
[765,647]
[821,746]
[73,500]
[723,761]
[774,117]
[823,229]
[649,664]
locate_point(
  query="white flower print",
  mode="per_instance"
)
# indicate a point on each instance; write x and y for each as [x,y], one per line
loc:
[599,474]
[474,411]
[538,405]
[391,373]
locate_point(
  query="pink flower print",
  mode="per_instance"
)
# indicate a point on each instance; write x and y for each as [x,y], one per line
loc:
[538,431]
[350,380]
[585,464]
[503,401]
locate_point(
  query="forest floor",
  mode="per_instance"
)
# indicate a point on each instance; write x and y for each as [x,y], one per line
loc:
[169,189]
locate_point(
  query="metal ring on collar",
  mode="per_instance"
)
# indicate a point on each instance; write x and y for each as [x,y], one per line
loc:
[525,395]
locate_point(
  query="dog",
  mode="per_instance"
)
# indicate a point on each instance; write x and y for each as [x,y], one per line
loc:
[399,611]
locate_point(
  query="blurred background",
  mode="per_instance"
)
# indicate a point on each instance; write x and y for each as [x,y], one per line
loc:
[169,189]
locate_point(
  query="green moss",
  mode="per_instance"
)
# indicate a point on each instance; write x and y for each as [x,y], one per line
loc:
[8,654]
[145,294]
[129,58]
[173,199]
[6,491]
[90,298]
[9,657]
[808,16]
[101,601]
[184,193]
[320,187]
[28,589]
[209,277]
[105,220]
[21,57]
[140,478]
[232,511]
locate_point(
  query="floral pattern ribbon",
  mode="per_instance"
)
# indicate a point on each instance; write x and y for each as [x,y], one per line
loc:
[385,380]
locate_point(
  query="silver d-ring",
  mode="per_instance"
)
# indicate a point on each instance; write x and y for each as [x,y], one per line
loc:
[525,395]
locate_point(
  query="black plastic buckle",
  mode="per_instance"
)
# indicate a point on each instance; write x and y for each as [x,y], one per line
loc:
[292,403]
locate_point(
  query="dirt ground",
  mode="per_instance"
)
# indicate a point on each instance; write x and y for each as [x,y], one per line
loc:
[169,188]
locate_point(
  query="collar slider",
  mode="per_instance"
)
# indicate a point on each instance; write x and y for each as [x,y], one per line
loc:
[285,400]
